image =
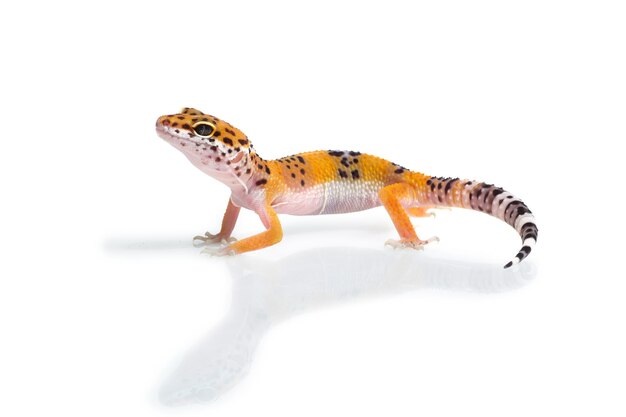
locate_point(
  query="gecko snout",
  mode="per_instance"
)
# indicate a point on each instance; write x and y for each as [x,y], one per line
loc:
[163,121]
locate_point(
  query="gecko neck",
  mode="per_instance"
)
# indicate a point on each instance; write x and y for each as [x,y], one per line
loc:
[242,176]
[256,170]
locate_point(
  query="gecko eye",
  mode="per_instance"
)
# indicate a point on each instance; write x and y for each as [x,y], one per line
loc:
[204,129]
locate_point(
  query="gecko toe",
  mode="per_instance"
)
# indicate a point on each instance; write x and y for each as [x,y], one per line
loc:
[399,244]
[199,241]
[218,250]
[210,239]
[416,244]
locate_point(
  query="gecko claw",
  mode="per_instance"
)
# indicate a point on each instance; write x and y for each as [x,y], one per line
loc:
[417,244]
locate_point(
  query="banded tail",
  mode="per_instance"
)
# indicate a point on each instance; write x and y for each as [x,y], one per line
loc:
[487,198]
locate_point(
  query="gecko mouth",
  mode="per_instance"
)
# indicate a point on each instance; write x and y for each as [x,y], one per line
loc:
[164,133]
[167,134]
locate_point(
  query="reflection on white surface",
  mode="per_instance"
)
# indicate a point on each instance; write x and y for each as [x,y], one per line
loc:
[265,293]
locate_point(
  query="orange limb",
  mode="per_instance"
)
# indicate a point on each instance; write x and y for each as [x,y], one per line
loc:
[394,198]
[271,236]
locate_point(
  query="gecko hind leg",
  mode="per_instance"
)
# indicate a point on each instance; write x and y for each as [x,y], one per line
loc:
[392,197]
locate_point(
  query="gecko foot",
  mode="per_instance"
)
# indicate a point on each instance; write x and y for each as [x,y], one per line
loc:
[210,239]
[218,250]
[416,244]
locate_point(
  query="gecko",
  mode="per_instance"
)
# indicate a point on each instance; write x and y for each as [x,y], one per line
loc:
[325,182]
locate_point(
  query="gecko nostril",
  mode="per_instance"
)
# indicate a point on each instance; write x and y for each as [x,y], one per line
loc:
[165,122]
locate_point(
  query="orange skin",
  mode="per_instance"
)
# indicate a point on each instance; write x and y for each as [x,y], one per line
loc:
[324,182]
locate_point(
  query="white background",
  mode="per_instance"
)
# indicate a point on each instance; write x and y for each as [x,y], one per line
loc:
[106,308]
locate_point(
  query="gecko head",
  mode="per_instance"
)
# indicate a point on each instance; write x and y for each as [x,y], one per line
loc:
[205,139]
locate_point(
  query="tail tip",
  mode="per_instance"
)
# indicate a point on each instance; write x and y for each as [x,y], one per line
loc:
[522,254]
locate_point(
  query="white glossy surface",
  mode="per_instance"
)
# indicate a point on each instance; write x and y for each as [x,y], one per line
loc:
[106,308]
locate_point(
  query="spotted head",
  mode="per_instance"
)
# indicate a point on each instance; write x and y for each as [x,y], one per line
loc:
[205,139]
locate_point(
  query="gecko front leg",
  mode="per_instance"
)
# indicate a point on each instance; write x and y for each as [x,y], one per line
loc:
[271,236]
[224,235]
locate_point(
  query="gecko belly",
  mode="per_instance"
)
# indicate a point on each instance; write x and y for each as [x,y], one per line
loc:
[331,197]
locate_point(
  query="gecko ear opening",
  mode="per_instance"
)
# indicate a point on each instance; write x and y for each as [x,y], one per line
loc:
[238,157]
